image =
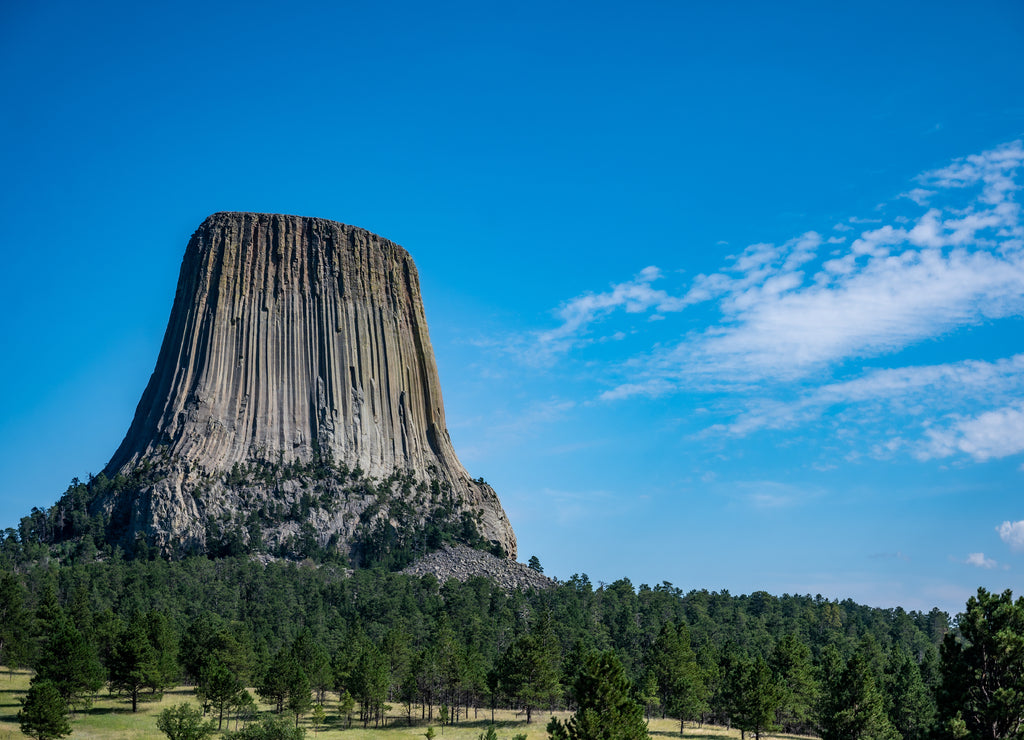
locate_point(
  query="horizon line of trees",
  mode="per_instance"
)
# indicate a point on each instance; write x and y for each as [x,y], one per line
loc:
[373,641]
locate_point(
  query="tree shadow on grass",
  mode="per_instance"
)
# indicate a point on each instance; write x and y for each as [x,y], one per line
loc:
[477,724]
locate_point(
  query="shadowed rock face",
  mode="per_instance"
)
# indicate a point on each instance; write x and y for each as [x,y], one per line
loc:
[289,338]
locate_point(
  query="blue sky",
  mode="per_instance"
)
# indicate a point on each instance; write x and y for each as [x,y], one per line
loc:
[723,294]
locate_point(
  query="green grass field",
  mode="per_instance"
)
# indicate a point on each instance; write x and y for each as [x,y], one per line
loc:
[111,718]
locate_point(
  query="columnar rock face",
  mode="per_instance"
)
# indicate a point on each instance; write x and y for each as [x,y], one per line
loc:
[291,339]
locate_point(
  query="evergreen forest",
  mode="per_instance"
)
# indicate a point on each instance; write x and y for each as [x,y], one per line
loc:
[366,642]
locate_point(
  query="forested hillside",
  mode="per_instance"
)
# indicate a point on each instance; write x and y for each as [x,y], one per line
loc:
[300,632]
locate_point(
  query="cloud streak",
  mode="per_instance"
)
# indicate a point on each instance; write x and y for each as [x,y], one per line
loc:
[893,287]
[785,312]
[943,387]
[790,328]
[578,314]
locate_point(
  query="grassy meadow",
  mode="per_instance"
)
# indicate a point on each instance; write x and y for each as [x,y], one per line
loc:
[111,718]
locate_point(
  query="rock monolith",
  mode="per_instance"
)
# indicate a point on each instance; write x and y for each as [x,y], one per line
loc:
[295,396]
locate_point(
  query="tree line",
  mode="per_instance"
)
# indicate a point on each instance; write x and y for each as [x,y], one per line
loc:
[369,642]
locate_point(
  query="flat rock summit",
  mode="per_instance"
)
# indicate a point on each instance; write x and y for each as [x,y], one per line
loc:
[295,404]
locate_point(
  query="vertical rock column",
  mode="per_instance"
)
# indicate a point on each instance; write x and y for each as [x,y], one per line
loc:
[290,335]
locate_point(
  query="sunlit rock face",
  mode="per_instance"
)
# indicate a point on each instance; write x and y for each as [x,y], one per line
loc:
[291,340]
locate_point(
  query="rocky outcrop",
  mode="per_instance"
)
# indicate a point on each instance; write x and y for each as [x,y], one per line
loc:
[462,563]
[295,346]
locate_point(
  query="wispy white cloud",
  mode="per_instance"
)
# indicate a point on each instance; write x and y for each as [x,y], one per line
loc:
[893,287]
[1012,533]
[779,332]
[992,169]
[634,296]
[978,560]
[653,388]
[919,196]
[788,328]
[761,269]
[577,315]
[993,434]
[944,386]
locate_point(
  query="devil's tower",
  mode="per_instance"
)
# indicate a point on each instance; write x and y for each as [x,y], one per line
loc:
[296,395]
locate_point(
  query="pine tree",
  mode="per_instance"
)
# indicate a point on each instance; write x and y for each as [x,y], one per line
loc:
[44,712]
[315,662]
[791,663]
[142,657]
[268,728]
[756,698]
[15,623]
[49,614]
[680,684]
[911,707]
[648,694]
[184,722]
[71,663]
[729,684]
[221,687]
[449,664]
[210,639]
[299,698]
[346,704]
[983,668]
[529,669]
[131,662]
[606,710]
[851,705]
[711,674]
[370,682]
[80,609]
[273,683]
[318,717]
